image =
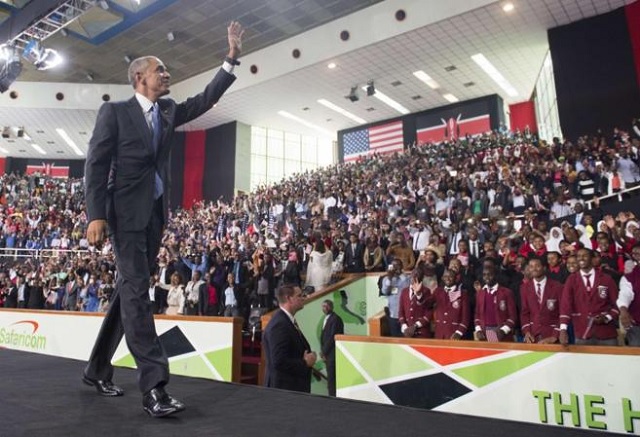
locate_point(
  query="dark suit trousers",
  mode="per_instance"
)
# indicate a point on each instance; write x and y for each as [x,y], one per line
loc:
[131,311]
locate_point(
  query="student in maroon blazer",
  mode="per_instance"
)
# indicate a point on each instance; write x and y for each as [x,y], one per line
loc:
[589,302]
[495,307]
[540,313]
[414,314]
[452,311]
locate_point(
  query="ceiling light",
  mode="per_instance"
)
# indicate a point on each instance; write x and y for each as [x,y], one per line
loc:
[508,7]
[127,59]
[69,141]
[331,65]
[494,74]
[339,110]
[104,4]
[371,89]
[10,66]
[171,36]
[285,114]
[353,94]
[389,101]
[421,75]
[50,59]
[451,98]
[39,149]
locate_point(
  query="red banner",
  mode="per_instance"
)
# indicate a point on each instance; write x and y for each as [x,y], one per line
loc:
[49,169]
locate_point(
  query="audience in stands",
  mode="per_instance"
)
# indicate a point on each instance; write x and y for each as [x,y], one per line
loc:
[501,198]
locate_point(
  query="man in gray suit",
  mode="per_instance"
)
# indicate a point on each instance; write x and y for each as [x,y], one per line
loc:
[126,184]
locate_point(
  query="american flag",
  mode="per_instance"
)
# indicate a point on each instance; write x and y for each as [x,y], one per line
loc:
[492,336]
[384,138]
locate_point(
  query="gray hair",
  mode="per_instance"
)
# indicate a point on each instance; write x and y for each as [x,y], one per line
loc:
[138,65]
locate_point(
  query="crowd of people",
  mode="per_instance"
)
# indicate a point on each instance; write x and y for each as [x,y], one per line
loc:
[449,213]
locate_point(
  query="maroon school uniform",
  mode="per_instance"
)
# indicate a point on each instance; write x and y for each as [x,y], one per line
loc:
[451,312]
[413,309]
[496,309]
[541,316]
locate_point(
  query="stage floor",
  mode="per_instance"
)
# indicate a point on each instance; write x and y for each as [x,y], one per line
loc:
[43,396]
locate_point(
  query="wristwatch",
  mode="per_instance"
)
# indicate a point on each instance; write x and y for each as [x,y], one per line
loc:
[231,61]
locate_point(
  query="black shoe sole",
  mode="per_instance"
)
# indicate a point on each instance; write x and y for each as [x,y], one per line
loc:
[164,414]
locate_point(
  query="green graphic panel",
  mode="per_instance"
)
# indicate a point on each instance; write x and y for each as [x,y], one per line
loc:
[383,361]
[193,366]
[486,373]
[126,361]
[221,360]
[346,374]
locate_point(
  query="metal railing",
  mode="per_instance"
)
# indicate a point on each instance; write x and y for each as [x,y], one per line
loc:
[38,254]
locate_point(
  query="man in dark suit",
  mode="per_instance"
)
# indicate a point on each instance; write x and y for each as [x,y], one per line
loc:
[287,352]
[354,255]
[331,327]
[127,186]
[11,296]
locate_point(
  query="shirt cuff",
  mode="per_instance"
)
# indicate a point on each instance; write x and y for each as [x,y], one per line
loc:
[419,324]
[478,328]
[459,333]
[228,67]
[563,326]
[505,329]
[608,318]
[403,327]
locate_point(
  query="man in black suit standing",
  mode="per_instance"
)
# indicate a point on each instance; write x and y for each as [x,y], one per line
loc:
[127,186]
[331,326]
[286,350]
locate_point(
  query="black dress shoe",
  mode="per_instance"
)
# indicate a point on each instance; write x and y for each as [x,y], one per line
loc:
[105,388]
[157,403]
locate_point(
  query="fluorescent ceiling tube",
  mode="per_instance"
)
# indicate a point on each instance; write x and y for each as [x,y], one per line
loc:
[426,79]
[451,98]
[494,74]
[285,114]
[69,141]
[389,101]
[339,110]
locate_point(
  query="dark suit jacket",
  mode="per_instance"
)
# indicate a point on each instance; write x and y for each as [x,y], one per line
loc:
[121,164]
[354,260]
[11,298]
[284,347]
[333,327]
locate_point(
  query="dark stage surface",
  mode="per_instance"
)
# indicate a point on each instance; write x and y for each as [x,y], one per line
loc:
[43,396]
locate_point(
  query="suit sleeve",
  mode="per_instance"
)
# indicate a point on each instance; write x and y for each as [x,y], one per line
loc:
[566,302]
[102,150]
[525,311]
[281,352]
[612,290]
[194,107]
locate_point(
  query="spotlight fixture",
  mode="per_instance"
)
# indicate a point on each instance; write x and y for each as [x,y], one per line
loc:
[89,77]
[64,32]
[104,4]
[353,94]
[171,36]
[371,89]
[50,58]
[10,66]
[127,59]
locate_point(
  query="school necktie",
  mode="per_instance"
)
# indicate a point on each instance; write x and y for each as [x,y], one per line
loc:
[587,281]
[539,292]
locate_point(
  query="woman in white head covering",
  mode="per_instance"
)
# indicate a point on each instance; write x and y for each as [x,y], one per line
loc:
[555,237]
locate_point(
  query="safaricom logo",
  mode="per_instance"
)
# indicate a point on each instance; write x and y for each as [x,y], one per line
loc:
[17,335]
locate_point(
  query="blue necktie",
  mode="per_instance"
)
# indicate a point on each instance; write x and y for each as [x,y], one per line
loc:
[156,131]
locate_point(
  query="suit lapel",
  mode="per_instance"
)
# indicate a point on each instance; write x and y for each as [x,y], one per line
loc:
[135,112]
